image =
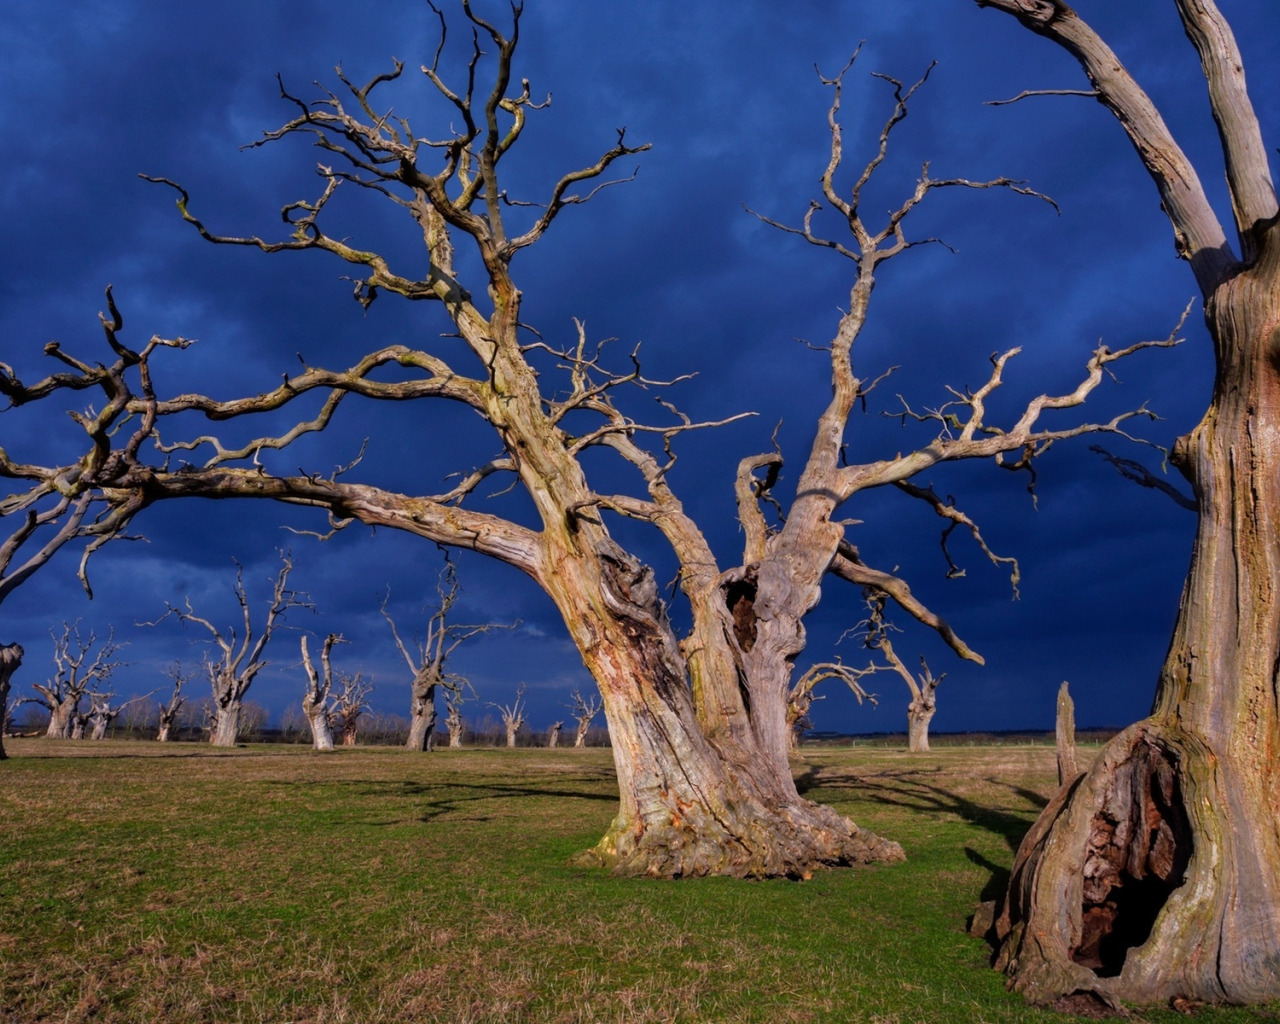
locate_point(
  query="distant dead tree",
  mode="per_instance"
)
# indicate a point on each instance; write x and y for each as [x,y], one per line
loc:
[923,687]
[553,735]
[513,715]
[584,710]
[431,651]
[349,704]
[102,712]
[169,712]
[79,670]
[316,700]
[232,673]
[454,722]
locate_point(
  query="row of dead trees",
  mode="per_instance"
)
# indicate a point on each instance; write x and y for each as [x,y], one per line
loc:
[333,702]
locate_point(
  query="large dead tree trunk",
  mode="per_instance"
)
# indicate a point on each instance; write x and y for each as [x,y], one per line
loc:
[1157,874]
[698,724]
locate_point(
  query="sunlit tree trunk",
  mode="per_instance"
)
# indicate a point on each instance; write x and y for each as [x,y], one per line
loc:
[1156,874]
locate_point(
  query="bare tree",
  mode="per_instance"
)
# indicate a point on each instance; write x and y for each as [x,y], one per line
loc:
[102,712]
[350,703]
[79,670]
[1157,875]
[454,722]
[584,710]
[698,723]
[316,700]
[241,657]
[513,715]
[169,712]
[553,735]
[801,697]
[430,653]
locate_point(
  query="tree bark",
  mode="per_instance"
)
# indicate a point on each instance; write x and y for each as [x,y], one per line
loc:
[60,718]
[422,720]
[692,801]
[224,730]
[456,727]
[317,716]
[920,713]
[1157,875]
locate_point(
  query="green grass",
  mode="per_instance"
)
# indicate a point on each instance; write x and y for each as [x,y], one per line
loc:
[150,883]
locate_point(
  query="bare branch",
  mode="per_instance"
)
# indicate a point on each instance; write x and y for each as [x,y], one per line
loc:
[1198,234]
[1143,477]
[1043,92]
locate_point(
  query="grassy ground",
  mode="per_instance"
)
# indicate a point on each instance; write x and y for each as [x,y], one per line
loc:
[150,883]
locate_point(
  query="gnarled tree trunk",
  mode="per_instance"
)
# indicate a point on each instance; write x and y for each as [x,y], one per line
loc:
[422,721]
[1158,873]
[920,713]
[224,727]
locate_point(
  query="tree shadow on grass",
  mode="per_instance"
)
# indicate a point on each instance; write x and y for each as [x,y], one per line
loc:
[437,803]
[913,789]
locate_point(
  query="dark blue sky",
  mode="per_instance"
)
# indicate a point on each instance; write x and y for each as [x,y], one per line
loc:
[728,97]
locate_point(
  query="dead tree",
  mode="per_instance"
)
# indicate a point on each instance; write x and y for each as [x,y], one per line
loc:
[79,670]
[1065,735]
[317,698]
[1157,875]
[240,658]
[349,704]
[923,687]
[169,712]
[454,722]
[584,710]
[553,735]
[102,712]
[513,715]
[801,697]
[698,723]
[430,653]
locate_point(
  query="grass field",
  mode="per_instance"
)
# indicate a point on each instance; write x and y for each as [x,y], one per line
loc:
[153,883]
